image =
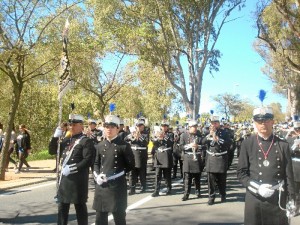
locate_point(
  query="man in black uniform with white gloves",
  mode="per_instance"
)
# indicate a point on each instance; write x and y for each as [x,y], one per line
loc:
[138,141]
[163,159]
[294,141]
[78,155]
[191,144]
[218,142]
[265,169]
[114,158]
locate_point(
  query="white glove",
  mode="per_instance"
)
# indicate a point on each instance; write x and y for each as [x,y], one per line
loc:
[291,209]
[101,178]
[69,169]
[58,132]
[265,191]
[296,144]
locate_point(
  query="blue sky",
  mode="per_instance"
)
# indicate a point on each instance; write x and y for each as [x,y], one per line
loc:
[240,66]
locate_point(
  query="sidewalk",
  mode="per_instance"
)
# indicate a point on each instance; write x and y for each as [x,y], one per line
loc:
[39,171]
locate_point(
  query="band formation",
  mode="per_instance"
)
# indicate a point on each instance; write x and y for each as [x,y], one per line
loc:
[118,157]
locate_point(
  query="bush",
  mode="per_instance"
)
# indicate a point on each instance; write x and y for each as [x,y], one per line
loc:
[40,155]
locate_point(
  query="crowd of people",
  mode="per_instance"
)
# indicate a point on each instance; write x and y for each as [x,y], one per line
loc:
[117,156]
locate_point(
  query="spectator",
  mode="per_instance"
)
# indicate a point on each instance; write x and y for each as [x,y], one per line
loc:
[23,147]
[13,139]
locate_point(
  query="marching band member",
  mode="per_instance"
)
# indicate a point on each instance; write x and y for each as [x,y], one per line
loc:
[138,140]
[113,160]
[218,142]
[78,155]
[265,169]
[294,142]
[191,146]
[163,160]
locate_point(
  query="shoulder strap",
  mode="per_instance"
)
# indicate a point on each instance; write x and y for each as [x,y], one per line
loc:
[71,151]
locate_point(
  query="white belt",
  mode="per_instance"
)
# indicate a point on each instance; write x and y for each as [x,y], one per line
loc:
[191,153]
[296,159]
[216,153]
[163,149]
[138,148]
[277,186]
[188,146]
[116,175]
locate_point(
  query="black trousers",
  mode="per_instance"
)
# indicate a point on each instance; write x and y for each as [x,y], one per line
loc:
[135,174]
[214,180]
[188,182]
[167,175]
[81,213]
[177,160]
[119,218]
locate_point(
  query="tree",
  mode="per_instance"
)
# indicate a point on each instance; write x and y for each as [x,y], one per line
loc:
[105,85]
[246,114]
[228,104]
[21,39]
[169,34]
[277,110]
[278,44]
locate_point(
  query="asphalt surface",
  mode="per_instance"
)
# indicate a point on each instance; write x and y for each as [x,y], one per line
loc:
[142,208]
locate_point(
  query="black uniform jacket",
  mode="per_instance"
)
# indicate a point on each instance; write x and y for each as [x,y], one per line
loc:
[140,155]
[217,163]
[96,135]
[123,134]
[259,210]
[112,158]
[295,153]
[163,149]
[190,163]
[74,187]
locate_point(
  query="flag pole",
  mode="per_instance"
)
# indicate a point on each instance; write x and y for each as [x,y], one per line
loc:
[64,85]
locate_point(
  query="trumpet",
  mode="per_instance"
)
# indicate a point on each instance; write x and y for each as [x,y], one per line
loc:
[159,136]
[212,134]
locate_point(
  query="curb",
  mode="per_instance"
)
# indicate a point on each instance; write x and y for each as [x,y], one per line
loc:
[28,182]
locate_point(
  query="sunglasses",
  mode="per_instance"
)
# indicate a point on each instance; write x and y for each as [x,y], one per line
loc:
[262,121]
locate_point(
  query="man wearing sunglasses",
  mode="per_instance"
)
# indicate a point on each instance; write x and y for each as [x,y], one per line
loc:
[78,154]
[265,169]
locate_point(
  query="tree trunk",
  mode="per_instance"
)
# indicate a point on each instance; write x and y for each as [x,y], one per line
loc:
[13,109]
[292,102]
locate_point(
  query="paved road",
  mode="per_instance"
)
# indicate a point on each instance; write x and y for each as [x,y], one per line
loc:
[35,205]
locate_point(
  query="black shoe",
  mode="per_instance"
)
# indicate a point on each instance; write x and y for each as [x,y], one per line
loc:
[185,197]
[155,194]
[199,196]
[168,193]
[211,201]
[223,199]
[131,192]
[143,191]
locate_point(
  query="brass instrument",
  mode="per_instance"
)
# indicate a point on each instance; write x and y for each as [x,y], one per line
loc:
[159,135]
[194,150]
[212,133]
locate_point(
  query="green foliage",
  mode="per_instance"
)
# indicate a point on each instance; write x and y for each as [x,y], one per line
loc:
[278,44]
[166,34]
[228,104]
[40,155]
